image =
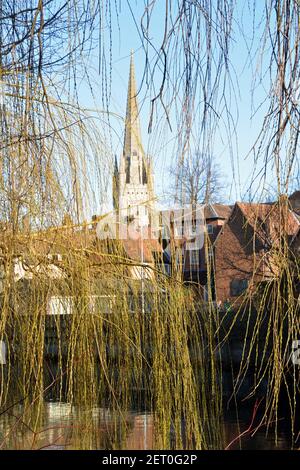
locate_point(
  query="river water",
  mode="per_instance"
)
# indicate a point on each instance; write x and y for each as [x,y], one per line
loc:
[61,426]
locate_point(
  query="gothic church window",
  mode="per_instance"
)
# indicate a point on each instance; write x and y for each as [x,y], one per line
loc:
[144,174]
[127,170]
[238,286]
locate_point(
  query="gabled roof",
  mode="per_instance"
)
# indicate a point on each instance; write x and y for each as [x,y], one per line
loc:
[295,196]
[269,220]
[217,211]
[295,202]
[223,210]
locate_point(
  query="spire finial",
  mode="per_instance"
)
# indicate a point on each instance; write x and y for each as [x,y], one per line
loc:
[132,126]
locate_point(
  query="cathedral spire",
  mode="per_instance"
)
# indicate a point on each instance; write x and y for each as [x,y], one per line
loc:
[132,140]
[133,183]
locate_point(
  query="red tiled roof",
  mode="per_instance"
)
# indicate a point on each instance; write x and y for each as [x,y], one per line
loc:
[295,196]
[295,202]
[269,220]
[217,211]
[134,248]
[223,210]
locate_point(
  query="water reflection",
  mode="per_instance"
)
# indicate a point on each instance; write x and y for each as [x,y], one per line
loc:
[259,440]
[57,425]
[61,426]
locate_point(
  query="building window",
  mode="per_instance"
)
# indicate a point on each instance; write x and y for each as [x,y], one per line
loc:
[210,228]
[56,257]
[60,305]
[238,286]
[127,170]
[194,257]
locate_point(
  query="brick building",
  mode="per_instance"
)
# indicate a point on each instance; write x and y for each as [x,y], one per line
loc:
[248,248]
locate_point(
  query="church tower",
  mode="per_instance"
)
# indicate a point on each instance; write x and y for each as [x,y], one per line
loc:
[133,193]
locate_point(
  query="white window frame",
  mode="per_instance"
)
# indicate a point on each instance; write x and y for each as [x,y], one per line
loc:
[194,260]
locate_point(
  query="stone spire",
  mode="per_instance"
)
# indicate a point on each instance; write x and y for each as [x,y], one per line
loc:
[133,189]
[132,139]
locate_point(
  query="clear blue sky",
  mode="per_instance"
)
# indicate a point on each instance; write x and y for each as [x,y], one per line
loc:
[237,169]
